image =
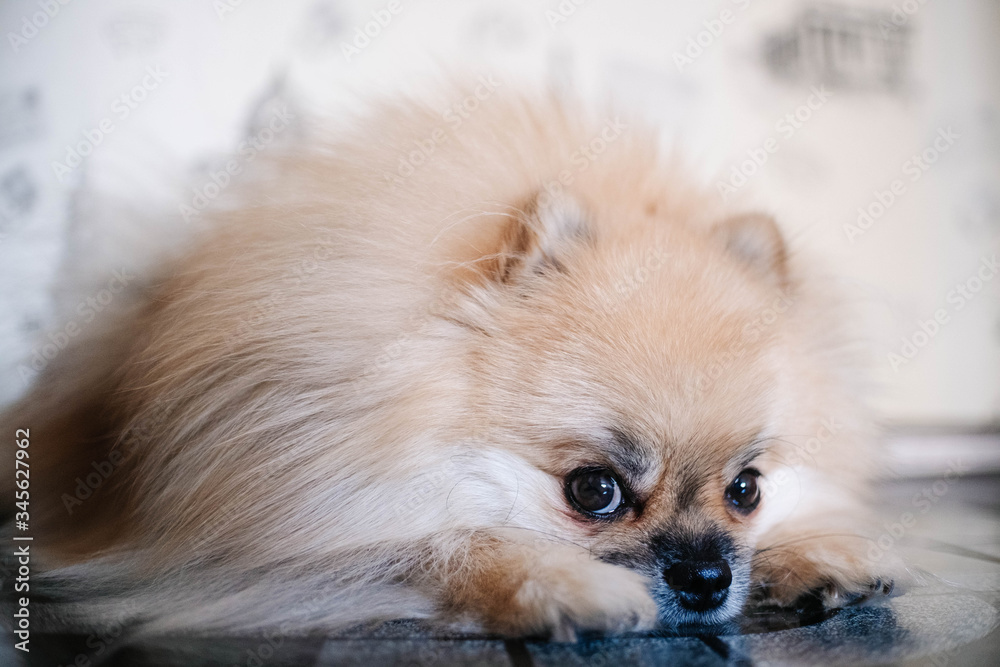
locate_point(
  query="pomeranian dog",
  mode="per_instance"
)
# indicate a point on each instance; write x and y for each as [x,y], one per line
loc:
[508,370]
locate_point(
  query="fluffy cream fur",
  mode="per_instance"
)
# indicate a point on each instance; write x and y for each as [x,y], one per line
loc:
[359,395]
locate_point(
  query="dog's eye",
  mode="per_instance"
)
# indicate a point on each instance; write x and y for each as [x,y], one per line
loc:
[594,491]
[743,492]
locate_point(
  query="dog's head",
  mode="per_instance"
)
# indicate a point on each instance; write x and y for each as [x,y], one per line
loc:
[640,363]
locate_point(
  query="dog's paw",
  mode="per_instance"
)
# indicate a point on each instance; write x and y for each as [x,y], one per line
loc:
[834,595]
[821,574]
[562,599]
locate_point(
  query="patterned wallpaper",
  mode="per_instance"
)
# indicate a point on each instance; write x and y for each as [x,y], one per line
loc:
[871,129]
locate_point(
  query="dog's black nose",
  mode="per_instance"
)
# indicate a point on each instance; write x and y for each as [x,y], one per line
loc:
[700,585]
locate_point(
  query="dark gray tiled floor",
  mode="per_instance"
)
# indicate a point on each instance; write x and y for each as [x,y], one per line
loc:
[949,617]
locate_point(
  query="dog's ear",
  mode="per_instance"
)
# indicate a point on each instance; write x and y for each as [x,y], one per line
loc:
[754,239]
[538,236]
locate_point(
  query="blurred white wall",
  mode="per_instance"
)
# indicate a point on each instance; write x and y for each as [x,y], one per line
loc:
[811,110]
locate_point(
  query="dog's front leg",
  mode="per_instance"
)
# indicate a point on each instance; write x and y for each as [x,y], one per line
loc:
[517,584]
